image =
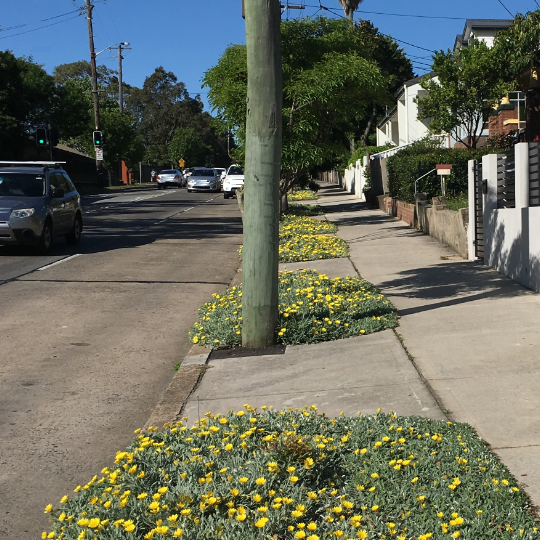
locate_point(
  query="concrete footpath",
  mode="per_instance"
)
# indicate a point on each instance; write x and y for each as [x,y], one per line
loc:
[473,335]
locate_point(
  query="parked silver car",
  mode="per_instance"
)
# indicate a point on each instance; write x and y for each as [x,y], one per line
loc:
[204,179]
[37,202]
[172,177]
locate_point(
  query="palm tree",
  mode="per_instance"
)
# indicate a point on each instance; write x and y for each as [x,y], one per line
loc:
[350,6]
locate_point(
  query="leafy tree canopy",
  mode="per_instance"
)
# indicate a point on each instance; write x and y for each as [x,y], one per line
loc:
[160,107]
[328,78]
[467,85]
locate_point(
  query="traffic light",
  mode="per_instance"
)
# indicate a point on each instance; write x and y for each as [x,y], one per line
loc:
[98,139]
[41,137]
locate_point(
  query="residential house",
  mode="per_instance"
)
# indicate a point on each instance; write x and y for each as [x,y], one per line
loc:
[401,125]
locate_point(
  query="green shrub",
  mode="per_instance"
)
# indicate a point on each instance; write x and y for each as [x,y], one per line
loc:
[413,161]
[296,209]
[298,474]
[461,201]
[312,308]
[361,151]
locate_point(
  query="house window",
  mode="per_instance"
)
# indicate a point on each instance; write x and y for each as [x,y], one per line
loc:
[519,99]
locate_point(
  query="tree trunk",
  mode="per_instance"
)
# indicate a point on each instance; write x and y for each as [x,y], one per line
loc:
[262,173]
[532,130]
[372,118]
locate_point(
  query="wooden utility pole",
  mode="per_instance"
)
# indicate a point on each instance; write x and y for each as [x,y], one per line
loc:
[89,8]
[262,173]
[120,90]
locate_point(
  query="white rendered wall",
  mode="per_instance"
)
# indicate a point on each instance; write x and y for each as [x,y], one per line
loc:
[511,241]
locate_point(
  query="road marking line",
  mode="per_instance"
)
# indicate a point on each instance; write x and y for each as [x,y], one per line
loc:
[60,261]
[181,212]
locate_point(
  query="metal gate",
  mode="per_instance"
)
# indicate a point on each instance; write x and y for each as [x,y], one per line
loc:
[478,210]
[534,174]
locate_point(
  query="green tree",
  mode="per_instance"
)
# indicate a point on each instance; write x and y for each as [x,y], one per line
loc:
[83,70]
[460,97]
[518,46]
[160,107]
[188,145]
[328,79]
[30,98]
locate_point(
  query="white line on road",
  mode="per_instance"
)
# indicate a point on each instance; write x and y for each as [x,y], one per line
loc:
[181,211]
[60,261]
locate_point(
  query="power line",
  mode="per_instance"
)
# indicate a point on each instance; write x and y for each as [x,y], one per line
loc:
[511,14]
[407,15]
[415,16]
[40,28]
[386,35]
[42,20]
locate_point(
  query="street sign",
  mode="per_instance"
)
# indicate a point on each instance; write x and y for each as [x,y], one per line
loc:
[181,162]
[99,154]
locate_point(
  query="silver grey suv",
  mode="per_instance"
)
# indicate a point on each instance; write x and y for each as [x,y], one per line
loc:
[37,202]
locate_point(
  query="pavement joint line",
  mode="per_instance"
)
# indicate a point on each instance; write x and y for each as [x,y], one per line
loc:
[515,447]
[65,259]
[344,389]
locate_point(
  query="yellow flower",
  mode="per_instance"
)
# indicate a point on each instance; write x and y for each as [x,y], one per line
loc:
[48,508]
[229,447]
[375,507]
[240,517]
[313,537]
[261,522]
[311,526]
[93,523]
[293,479]
[178,533]
[82,522]
[64,499]
[414,480]
[362,534]
[163,490]
[243,479]
[260,481]
[300,534]
[142,496]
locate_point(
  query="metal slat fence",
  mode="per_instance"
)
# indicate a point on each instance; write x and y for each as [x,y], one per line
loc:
[506,180]
[478,211]
[534,174]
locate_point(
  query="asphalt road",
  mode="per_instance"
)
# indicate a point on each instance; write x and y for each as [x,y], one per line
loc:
[89,336]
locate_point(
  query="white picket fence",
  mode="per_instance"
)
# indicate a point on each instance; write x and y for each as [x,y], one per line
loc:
[355,180]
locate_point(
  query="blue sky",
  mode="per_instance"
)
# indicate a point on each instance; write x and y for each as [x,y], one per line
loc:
[188,36]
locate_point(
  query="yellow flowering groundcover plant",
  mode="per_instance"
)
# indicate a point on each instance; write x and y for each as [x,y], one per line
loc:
[312,308]
[297,474]
[290,225]
[310,247]
[302,195]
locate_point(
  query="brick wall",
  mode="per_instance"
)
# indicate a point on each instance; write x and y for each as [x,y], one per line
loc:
[402,210]
[496,121]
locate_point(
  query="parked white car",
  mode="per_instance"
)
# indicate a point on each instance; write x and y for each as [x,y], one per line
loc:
[233,180]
